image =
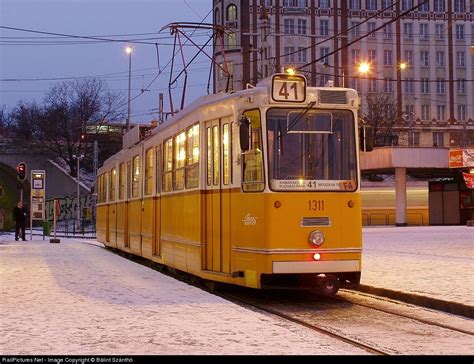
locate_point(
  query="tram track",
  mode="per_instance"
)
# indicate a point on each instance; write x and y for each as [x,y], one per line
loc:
[377,330]
[322,330]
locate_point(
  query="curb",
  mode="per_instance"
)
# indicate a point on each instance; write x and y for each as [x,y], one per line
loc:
[418,300]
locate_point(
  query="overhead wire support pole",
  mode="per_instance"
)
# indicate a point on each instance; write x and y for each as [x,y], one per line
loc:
[176,30]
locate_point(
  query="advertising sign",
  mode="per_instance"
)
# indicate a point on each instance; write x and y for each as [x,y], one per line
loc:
[38,192]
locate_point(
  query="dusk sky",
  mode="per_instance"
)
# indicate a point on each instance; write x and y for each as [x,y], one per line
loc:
[31,62]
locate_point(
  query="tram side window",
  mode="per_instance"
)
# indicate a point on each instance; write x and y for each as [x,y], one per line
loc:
[226,154]
[253,159]
[167,165]
[179,161]
[209,156]
[136,176]
[113,175]
[192,156]
[105,183]
[149,166]
[158,169]
[99,189]
[121,181]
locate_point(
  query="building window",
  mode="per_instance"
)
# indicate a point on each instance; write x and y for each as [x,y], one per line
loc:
[438,139]
[324,27]
[355,29]
[424,59]
[440,86]
[355,56]
[424,6]
[302,55]
[289,54]
[372,85]
[461,59]
[302,26]
[439,31]
[459,6]
[438,6]
[355,5]
[461,112]
[323,52]
[387,4]
[294,3]
[372,56]
[231,40]
[371,25]
[425,86]
[407,5]
[424,31]
[441,112]
[440,59]
[289,26]
[459,31]
[387,31]
[461,85]
[413,138]
[324,4]
[371,5]
[387,58]
[408,30]
[425,112]
[409,86]
[231,12]
[388,85]
[409,57]
[217,16]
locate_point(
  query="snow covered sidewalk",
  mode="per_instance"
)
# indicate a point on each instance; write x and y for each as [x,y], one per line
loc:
[433,261]
[78,298]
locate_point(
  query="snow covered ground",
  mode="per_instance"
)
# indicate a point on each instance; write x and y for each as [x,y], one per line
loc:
[78,298]
[434,261]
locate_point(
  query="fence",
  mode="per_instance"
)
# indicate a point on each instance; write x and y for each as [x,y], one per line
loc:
[67,223]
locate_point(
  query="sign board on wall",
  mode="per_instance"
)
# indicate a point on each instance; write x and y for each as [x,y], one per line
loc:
[461,158]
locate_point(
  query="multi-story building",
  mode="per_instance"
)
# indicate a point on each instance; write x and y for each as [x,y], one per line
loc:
[433,95]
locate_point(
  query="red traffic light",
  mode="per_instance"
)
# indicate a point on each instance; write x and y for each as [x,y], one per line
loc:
[21,171]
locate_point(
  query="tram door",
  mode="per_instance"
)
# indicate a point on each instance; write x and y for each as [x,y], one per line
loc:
[217,197]
[112,221]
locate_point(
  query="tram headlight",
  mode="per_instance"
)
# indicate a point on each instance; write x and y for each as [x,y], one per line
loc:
[316,237]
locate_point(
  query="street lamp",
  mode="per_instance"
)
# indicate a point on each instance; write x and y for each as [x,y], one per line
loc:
[78,158]
[363,68]
[129,50]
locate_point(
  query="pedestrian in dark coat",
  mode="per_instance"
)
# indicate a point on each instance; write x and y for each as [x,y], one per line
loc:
[19,215]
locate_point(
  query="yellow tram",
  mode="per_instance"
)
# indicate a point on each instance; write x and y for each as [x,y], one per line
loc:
[258,188]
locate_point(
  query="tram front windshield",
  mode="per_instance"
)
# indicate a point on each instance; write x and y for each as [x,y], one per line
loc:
[311,150]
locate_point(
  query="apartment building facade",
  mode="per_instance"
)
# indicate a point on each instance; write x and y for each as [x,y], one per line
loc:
[434,94]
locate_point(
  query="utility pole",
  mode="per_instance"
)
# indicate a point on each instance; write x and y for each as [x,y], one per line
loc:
[265,30]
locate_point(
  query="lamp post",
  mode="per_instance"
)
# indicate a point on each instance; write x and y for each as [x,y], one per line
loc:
[78,216]
[129,50]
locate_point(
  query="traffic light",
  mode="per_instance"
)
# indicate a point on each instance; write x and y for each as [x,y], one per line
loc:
[21,171]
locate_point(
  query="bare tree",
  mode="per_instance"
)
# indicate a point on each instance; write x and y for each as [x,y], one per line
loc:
[22,121]
[71,109]
[381,114]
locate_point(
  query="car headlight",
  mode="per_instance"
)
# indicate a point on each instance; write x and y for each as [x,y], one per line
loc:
[316,237]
